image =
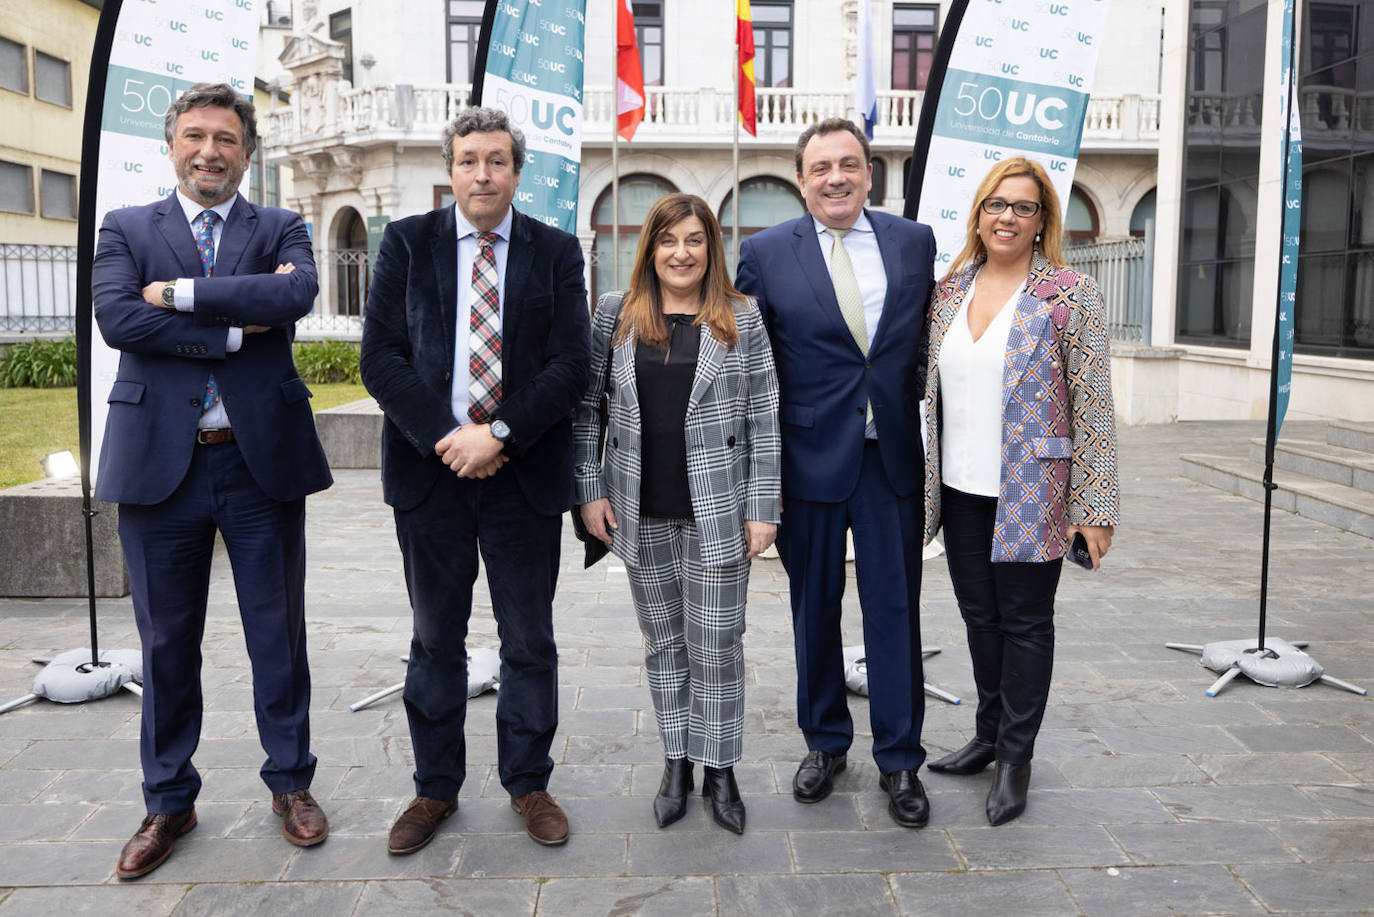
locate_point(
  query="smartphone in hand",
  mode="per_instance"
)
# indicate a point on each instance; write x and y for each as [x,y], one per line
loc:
[1078,551]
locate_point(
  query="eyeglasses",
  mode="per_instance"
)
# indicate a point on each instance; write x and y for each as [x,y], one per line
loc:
[995,205]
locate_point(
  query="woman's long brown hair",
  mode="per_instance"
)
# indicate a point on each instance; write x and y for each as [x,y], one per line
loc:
[1051,243]
[642,309]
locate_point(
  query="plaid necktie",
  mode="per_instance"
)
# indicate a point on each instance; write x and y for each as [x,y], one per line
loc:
[205,242]
[847,294]
[484,333]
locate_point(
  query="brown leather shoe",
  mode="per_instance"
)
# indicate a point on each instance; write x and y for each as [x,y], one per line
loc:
[303,822]
[419,823]
[544,820]
[151,845]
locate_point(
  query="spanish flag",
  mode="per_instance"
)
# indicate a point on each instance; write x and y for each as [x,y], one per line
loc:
[744,37]
[629,93]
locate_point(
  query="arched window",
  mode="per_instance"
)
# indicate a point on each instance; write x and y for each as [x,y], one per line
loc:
[878,194]
[637,194]
[1144,210]
[767,202]
[1080,227]
[350,262]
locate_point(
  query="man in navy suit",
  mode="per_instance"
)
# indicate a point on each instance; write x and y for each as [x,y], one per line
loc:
[209,428]
[843,292]
[476,346]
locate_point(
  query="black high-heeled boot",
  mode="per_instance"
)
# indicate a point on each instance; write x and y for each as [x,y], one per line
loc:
[727,808]
[671,802]
[1007,797]
[971,759]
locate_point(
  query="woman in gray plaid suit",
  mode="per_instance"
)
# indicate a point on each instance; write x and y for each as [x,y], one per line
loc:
[678,471]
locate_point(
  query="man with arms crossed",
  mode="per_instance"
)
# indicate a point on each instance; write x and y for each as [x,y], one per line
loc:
[843,292]
[209,429]
[476,346]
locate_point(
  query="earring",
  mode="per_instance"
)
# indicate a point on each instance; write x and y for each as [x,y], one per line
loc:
[1037,237]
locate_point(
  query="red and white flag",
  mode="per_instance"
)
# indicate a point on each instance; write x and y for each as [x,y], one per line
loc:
[629,88]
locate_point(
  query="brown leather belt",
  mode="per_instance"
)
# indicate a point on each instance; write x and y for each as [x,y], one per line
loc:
[214,437]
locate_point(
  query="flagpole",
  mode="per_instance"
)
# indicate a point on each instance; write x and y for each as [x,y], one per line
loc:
[734,217]
[615,146]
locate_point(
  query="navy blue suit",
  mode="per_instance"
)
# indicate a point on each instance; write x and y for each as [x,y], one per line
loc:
[513,519]
[833,479]
[174,493]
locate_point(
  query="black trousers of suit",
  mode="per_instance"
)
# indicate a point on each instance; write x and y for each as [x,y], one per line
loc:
[441,540]
[887,554]
[168,547]
[1008,611]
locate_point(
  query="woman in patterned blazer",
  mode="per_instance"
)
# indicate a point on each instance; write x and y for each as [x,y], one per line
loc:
[1021,459]
[678,471]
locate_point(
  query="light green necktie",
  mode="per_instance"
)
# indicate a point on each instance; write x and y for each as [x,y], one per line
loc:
[847,294]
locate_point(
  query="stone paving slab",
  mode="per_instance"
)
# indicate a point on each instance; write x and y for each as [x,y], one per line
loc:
[1147,797]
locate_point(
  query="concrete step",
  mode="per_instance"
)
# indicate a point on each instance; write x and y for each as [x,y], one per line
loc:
[1337,464]
[1325,501]
[352,434]
[1350,434]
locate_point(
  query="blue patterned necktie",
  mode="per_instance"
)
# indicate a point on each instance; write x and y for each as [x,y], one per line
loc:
[205,242]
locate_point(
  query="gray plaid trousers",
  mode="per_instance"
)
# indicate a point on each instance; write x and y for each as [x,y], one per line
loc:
[692,618]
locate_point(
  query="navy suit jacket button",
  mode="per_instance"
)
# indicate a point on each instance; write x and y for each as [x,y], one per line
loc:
[195,402]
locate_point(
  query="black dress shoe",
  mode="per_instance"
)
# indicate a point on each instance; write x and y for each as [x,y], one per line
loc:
[971,759]
[1007,798]
[726,806]
[908,805]
[671,802]
[814,776]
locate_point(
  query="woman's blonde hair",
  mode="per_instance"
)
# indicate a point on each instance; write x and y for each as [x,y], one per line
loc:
[1051,243]
[642,310]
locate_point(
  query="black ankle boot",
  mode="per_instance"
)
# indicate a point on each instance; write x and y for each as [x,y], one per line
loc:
[726,806]
[971,759]
[671,802]
[1007,798]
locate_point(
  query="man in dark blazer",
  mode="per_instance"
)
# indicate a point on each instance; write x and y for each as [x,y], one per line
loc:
[476,347]
[210,428]
[843,292]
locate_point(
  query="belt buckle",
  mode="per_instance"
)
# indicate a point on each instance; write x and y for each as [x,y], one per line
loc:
[203,437]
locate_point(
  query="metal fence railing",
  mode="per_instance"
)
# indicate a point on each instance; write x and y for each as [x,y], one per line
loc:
[37,288]
[1124,271]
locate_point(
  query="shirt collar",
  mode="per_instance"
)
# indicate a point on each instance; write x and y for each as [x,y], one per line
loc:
[860,225]
[465,229]
[193,210]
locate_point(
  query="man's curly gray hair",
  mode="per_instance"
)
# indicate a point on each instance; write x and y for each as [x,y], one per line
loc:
[483,121]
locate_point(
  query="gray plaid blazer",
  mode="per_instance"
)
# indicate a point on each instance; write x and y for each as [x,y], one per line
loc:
[733,445]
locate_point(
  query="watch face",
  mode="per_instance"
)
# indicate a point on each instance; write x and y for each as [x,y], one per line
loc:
[168,292]
[500,430]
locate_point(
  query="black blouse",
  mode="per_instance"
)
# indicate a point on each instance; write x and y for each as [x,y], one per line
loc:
[664,387]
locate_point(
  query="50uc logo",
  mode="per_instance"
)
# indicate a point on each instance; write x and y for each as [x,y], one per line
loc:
[990,103]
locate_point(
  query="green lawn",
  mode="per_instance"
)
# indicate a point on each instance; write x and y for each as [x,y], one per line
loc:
[34,422]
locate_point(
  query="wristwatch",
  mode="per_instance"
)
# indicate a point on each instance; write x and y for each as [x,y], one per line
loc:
[500,430]
[169,298]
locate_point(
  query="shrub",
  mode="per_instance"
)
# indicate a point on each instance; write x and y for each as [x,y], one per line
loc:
[40,364]
[328,361]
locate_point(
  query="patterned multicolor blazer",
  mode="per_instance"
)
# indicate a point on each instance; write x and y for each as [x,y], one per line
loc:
[733,445]
[1058,424]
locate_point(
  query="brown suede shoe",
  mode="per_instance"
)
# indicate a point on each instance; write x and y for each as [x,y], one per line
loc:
[419,823]
[151,845]
[303,822]
[544,820]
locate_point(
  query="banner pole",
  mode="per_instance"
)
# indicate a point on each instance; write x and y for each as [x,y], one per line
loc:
[734,119]
[930,101]
[85,258]
[1271,434]
[615,146]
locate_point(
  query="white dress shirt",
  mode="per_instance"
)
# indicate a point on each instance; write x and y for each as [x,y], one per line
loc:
[971,400]
[861,244]
[217,418]
[467,254]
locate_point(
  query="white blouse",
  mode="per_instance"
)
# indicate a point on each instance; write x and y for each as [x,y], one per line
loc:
[971,400]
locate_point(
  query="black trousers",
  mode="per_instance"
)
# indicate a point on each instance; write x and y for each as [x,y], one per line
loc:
[440,542]
[1008,611]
